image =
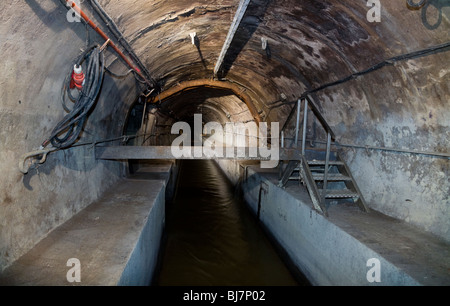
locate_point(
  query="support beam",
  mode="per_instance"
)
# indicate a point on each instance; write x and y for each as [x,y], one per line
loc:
[183,87]
[165,152]
[305,125]
[233,29]
[297,124]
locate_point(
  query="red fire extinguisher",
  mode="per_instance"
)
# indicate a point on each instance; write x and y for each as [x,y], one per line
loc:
[77,80]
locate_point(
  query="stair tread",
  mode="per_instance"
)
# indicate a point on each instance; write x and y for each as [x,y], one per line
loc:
[322,162]
[340,193]
[331,177]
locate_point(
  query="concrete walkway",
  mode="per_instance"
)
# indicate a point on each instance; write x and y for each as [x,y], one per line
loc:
[115,240]
[336,250]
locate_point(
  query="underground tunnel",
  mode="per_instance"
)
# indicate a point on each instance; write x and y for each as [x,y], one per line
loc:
[225,142]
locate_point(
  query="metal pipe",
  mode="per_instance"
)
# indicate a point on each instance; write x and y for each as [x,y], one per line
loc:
[111,25]
[305,124]
[233,29]
[297,124]
[435,154]
[77,9]
[327,165]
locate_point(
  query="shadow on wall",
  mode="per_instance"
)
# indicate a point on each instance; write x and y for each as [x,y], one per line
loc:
[68,158]
[200,54]
[56,19]
[100,125]
[79,159]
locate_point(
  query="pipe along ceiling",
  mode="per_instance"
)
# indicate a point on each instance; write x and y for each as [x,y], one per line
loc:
[278,51]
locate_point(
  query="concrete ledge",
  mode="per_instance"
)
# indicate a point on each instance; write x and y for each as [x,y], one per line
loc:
[116,239]
[335,250]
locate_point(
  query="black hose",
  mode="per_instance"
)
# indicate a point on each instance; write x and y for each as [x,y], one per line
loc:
[119,76]
[69,129]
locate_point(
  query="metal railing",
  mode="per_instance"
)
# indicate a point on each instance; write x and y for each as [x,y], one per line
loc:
[309,104]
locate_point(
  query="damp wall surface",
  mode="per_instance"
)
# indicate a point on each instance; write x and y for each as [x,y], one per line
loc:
[38,48]
[403,105]
[339,250]
[318,248]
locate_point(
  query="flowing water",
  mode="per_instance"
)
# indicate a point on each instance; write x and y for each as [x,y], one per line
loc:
[212,239]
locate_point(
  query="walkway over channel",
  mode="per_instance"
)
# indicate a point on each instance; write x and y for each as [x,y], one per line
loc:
[165,152]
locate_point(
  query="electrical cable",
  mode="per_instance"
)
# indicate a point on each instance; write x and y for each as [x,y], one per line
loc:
[119,76]
[380,65]
[69,129]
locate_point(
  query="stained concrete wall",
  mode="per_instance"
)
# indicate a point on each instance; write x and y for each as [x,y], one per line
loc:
[38,46]
[403,107]
[336,250]
[115,240]
[310,44]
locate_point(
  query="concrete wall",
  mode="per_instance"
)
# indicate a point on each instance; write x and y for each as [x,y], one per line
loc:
[38,46]
[144,258]
[336,250]
[321,250]
[401,107]
[310,44]
[116,240]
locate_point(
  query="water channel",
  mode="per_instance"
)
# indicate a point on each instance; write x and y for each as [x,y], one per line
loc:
[212,239]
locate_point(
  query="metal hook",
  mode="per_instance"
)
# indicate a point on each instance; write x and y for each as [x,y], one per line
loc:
[25,168]
[105,45]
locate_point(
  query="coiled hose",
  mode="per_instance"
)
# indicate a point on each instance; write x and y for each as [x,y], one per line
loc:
[69,129]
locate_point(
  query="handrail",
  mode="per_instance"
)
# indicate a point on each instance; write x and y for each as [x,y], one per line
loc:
[378,148]
[318,200]
[315,110]
[319,116]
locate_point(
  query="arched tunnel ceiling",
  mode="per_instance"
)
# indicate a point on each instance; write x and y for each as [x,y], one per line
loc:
[310,42]
[215,104]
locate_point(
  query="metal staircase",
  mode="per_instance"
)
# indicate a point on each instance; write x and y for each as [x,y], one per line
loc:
[325,175]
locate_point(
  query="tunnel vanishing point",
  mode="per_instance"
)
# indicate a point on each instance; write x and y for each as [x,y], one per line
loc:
[90,91]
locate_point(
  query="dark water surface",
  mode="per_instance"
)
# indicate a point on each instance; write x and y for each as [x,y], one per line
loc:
[211,237]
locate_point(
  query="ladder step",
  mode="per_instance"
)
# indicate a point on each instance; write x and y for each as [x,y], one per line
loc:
[332,177]
[294,178]
[340,194]
[322,163]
